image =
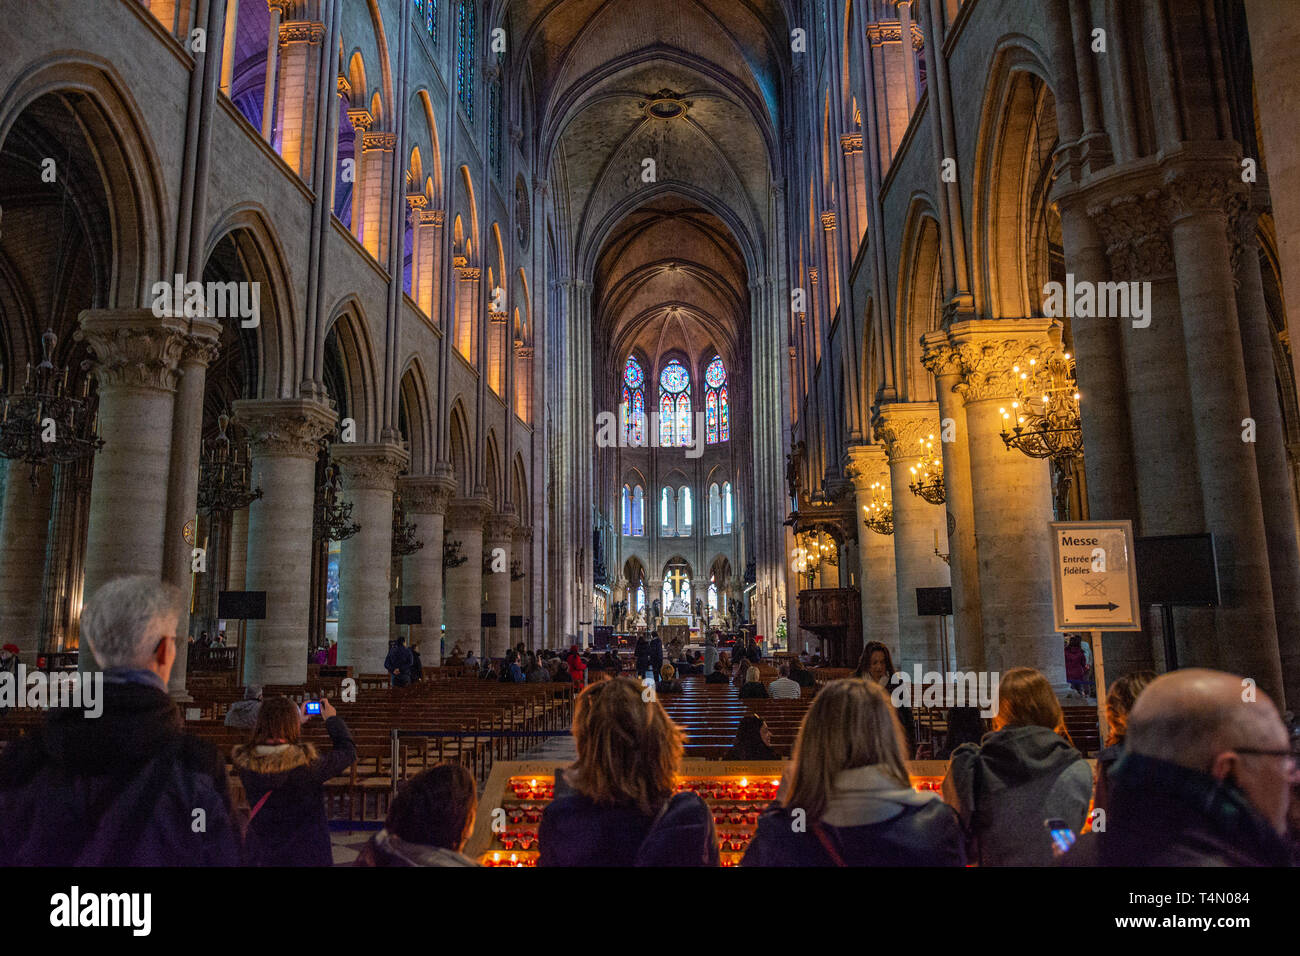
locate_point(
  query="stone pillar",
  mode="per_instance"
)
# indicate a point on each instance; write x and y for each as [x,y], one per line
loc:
[464,335]
[1201,201]
[369,477]
[137,355]
[272,68]
[1012,500]
[284,435]
[869,464]
[228,45]
[238,550]
[415,205]
[498,539]
[911,73]
[1277,493]
[428,229]
[968,620]
[523,538]
[24,535]
[301,42]
[183,479]
[901,427]
[463,585]
[425,499]
[524,382]
[361,121]
[496,364]
[377,158]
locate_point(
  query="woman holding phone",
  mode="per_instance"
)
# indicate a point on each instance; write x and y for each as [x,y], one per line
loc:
[284,780]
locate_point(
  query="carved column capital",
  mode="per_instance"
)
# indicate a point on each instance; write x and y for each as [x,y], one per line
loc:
[903,427]
[430,217]
[1135,229]
[370,467]
[302,31]
[991,353]
[466,514]
[285,427]
[828,220]
[867,464]
[137,349]
[851,143]
[380,140]
[417,201]
[426,494]
[361,119]
[499,527]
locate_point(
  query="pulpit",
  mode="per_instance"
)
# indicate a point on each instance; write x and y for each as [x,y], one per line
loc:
[834,615]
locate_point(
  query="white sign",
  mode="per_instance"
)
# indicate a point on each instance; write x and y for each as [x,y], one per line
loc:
[1094,578]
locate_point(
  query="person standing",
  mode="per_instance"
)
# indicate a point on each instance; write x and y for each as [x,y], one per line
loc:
[284,781]
[656,653]
[710,652]
[398,663]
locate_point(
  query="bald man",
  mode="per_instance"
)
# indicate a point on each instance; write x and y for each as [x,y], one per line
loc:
[1205,780]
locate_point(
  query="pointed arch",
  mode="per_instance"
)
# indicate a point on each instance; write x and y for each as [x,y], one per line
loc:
[417,411]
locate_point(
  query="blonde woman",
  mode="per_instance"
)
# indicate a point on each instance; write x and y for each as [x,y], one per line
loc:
[753,685]
[616,806]
[1024,773]
[847,800]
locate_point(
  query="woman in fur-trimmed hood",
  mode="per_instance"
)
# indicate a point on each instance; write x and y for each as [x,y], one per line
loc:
[284,780]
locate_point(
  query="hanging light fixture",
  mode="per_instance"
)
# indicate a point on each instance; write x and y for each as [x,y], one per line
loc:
[332,520]
[516,570]
[879,511]
[927,474]
[44,425]
[1044,418]
[224,467]
[451,555]
[404,541]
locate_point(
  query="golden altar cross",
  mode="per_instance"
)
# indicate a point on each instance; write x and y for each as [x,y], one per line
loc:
[677,577]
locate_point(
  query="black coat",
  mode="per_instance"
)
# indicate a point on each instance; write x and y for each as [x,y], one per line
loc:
[1161,814]
[656,655]
[577,832]
[290,829]
[753,689]
[120,789]
[926,835]
[399,658]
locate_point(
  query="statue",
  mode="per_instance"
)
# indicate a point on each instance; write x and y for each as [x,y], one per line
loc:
[658,608]
[793,462]
[699,607]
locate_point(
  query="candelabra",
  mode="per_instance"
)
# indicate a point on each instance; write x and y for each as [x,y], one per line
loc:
[927,475]
[224,485]
[517,570]
[44,425]
[879,511]
[451,556]
[404,541]
[332,520]
[1046,424]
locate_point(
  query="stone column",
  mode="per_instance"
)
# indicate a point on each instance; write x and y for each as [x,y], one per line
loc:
[137,356]
[463,585]
[498,539]
[523,537]
[944,363]
[416,203]
[369,477]
[425,499]
[524,382]
[464,335]
[1277,493]
[377,157]
[272,68]
[183,479]
[301,40]
[238,550]
[228,45]
[24,528]
[428,226]
[869,464]
[1012,501]
[285,436]
[901,427]
[361,121]
[1202,199]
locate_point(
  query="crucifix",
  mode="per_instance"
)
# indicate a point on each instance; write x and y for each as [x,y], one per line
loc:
[677,577]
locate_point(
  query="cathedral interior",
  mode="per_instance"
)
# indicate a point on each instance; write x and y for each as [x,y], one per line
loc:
[550,318]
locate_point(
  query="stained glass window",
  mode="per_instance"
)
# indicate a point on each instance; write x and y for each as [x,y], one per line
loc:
[495,152]
[466,44]
[674,416]
[684,510]
[640,597]
[634,401]
[683,419]
[627,510]
[726,508]
[666,511]
[715,510]
[674,378]
[638,512]
[666,430]
[431,19]
[717,421]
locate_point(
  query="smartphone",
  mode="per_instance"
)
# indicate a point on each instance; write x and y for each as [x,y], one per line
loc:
[312,708]
[1061,834]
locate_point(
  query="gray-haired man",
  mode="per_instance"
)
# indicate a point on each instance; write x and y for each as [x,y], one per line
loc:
[129,788]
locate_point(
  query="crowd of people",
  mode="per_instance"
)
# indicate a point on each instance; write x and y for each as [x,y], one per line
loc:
[1193,773]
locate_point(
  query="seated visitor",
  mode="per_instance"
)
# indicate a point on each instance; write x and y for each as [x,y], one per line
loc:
[719,675]
[1119,702]
[284,782]
[428,822]
[511,672]
[243,713]
[616,806]
[753,740]
[612,664]
[471,662]
[1204,781]
[562,675]
[668,682]
[783,688]
[398,663]
[752,687]
[802,675]
[1025,772]
[537,673]
[106,788]
[850,781]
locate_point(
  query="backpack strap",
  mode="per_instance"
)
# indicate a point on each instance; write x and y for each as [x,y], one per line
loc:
[258,806]
[828,844]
